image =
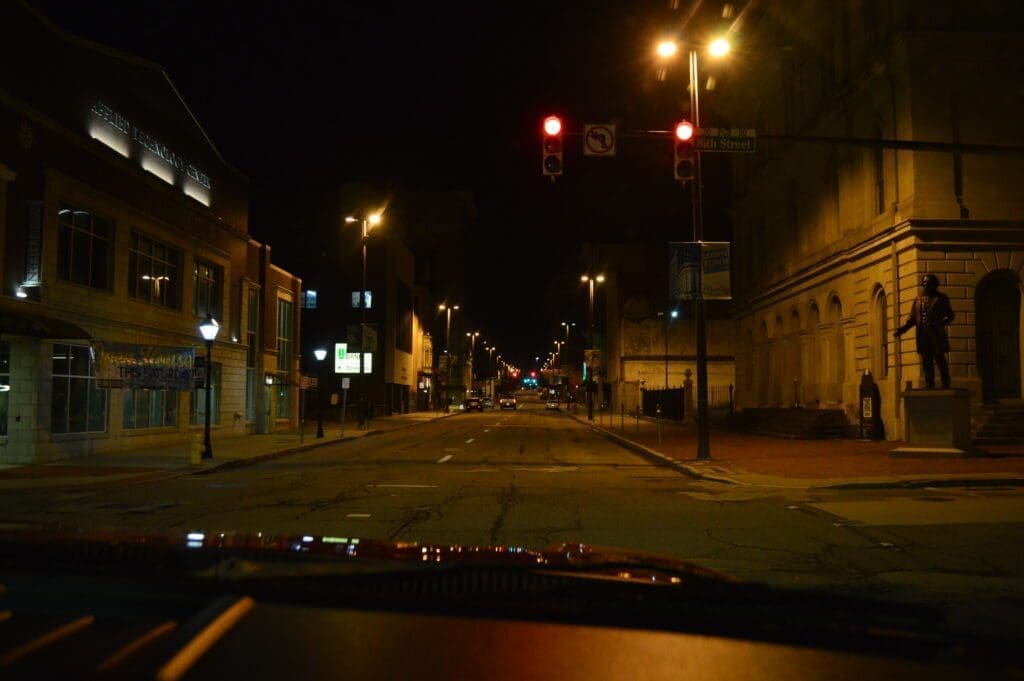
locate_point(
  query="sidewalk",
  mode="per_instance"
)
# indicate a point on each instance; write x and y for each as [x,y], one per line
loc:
[745,459]
[173,460]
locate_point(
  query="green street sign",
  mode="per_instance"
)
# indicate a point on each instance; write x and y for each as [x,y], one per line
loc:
[728,140]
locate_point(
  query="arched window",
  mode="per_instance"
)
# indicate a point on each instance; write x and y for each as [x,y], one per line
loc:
[880,333]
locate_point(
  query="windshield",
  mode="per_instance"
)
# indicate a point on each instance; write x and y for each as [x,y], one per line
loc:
[737,284]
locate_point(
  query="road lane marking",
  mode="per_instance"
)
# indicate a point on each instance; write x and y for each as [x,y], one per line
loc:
[469,441]
[487,430]
[401,485]
[445,458]
[358,515]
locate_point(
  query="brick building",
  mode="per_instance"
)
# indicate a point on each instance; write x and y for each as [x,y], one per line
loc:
[122,229]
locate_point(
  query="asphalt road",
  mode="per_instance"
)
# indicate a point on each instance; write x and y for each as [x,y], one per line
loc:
[532,478]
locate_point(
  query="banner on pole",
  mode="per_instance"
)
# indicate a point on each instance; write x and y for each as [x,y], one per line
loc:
[699,266]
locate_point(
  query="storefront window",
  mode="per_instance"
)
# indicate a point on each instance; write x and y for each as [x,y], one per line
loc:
[197,405]
[5,384]
[77,405]
[83,248]
[150,408]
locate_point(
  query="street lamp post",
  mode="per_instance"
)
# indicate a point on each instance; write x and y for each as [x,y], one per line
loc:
[367,224]
[472,350]
[599,279]
[447,309]
[320,354]
[717,48]
[209,330]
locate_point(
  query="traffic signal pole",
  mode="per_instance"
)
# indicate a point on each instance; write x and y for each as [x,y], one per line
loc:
[703,423]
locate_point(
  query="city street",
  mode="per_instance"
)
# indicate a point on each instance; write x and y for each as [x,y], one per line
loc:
[533,478]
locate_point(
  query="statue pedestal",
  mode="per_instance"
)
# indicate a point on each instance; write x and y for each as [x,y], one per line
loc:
[938,423]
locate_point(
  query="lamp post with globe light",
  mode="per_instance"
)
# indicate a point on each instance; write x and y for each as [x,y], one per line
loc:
[209,330]
[320,354]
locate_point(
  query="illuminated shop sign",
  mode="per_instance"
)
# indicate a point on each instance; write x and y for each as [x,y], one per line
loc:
[118,132]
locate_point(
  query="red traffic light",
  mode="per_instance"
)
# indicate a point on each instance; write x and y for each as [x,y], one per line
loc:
[552,126]
[533,374]
[684,131]
[551,149]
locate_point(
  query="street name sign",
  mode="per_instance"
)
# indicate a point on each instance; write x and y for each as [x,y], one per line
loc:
[729,140]
[599,139]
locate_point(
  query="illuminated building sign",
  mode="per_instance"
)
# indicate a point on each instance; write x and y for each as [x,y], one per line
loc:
[124,131]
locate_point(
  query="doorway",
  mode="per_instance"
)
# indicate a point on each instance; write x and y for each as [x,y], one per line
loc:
[997,329]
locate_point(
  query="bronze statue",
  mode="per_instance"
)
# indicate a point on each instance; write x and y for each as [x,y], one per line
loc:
[931,314]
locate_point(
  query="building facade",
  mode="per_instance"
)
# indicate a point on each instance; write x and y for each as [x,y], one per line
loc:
[642,345]
[833,238]
[122,230]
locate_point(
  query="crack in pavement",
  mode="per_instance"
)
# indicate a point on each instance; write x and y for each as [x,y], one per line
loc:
[507,499]
[424,512]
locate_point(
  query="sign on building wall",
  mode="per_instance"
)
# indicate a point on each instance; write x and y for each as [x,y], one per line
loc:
[34,245]
[154,367]
[349,364]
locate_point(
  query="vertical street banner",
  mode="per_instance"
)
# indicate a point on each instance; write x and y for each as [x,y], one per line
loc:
[714,275]
[699,266]
[128,366]
[683,261]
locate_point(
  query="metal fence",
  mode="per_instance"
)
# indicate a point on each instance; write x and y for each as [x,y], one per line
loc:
[675,404]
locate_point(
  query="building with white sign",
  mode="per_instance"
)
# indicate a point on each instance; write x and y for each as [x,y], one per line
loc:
[123,229]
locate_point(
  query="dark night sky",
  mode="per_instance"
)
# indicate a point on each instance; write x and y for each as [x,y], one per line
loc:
[431,95]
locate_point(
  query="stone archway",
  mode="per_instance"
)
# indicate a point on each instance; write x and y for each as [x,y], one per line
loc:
[997,306]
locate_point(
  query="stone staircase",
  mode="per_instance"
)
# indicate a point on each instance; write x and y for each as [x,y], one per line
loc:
[1002,424]
[792,422]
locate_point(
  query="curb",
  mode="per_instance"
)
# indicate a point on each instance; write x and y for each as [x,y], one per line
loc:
[919,483]
[654,456]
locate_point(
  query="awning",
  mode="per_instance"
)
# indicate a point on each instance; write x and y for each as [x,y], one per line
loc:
[39,326]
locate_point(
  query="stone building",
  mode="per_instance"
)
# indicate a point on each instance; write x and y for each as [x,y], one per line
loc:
[122,229]
[641,342]
[832,238]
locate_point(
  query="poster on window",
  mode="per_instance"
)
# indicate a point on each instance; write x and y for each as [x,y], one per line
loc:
[153,367]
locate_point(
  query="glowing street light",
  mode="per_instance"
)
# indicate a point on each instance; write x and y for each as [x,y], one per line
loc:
[718,48]
[667,49]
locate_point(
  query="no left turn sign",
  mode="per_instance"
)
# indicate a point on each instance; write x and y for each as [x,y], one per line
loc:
[599,139]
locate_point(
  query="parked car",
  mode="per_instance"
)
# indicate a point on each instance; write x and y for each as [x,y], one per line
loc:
[488,403]
[474,404]
[507,402]
[552,403]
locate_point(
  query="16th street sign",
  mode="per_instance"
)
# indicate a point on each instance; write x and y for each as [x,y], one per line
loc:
[729,140]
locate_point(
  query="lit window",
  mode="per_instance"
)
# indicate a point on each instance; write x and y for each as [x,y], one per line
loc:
[153,271]
[309,300]
[355,300]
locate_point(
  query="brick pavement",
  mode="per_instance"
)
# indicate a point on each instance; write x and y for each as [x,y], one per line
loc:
[812,460]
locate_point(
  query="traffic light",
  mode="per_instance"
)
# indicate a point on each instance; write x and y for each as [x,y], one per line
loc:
[685,157]
[552,150]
